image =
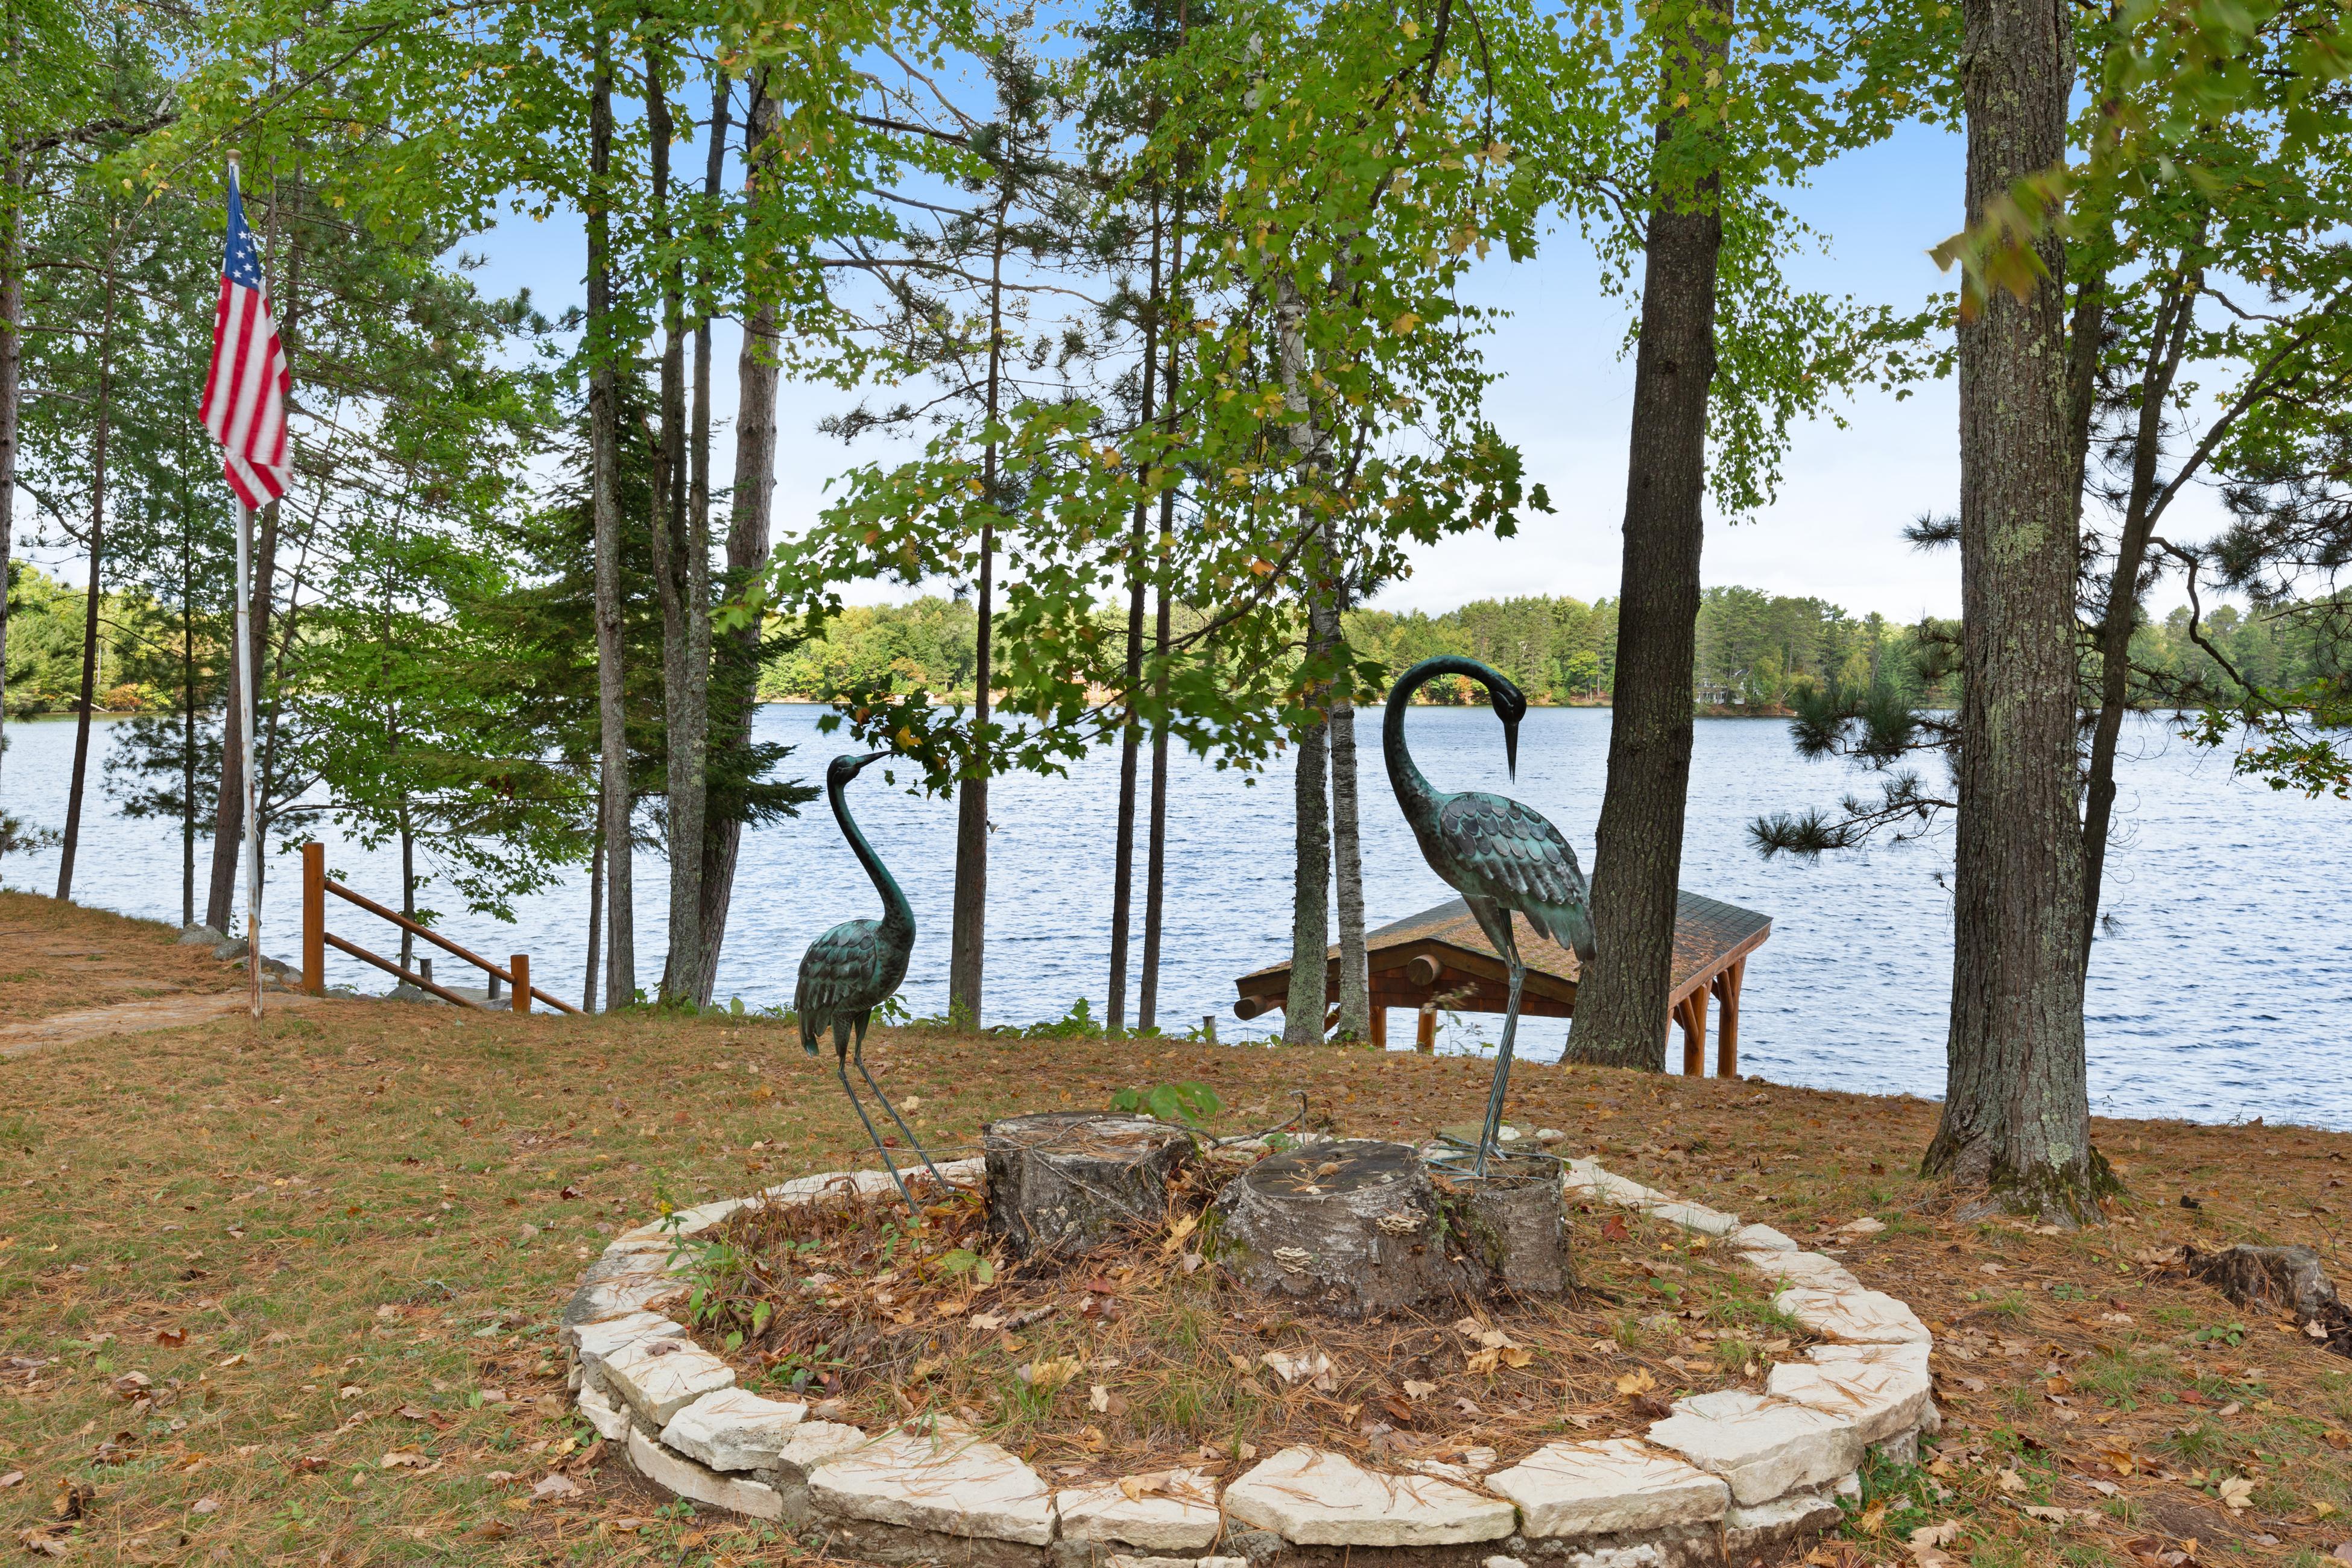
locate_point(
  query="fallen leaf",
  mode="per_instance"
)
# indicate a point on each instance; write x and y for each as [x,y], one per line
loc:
[207,1505]
[1415,1390]
[171,1336]
[403,1459]
[1614,1228]
[555,1486]
[2238,1494]
[1636,1382]
[1178,1232]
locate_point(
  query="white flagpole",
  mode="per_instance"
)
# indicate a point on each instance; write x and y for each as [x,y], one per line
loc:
[252,779]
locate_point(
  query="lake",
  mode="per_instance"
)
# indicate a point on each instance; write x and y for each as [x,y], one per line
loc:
[2220,989]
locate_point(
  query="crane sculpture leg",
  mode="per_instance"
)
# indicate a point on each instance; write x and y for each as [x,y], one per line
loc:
[1497,923]
[858,1055]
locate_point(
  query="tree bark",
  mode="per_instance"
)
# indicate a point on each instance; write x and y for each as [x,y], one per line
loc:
[1155,858]
[1347,848]
[752,500]
[2121,615]
[604,440]
[1130,743]
[968,918]
[684,557]
[2016,1120]
[1620,1006]
[1361,1229]
[595,925]
[11,362]
[1310,897]
[1064,1183]
[94,596]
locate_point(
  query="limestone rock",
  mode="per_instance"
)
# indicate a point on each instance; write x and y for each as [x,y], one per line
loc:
[1909,1354]
[1178,1514]
[617,1298]
[1762,1238]
[611,1421]
[1810,1269]
[1880,1398]
[1317,1499]
[661,1377]
[1126,1559]
[689,1480]
[592,1343]
[734,1430]
[1856,1317]
[1696,1216]
[1585,1178]
[812,1443]
[1767,1530]
[1601,1487]
[1762,1447]
[956,1486]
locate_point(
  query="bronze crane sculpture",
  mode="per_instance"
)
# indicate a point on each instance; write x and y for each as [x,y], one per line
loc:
[1499,855]
[852,969]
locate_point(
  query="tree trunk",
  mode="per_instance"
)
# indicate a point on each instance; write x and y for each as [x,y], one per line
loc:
[1067,1183]
[595,925]
[94,595]
[2121,615]
[12,361]
[1348,852]
[1362,1228]
[751,501]
[1131,740]
[1310,897]
[685,712]
[968,918]
[407,888]
[1621,1007]
[1155,860]
[604,440]
[2016,1122]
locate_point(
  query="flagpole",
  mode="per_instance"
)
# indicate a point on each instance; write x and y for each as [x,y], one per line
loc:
[244,708]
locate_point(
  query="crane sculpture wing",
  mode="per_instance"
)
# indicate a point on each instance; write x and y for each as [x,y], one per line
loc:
[1520,857]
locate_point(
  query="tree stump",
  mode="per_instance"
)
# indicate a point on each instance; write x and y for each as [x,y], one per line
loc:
[1362,1228]
[1069,1183]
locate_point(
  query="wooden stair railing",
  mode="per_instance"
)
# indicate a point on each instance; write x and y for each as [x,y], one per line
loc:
[317,939]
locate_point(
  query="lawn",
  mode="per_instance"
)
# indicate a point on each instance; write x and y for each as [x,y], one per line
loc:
[285,1293]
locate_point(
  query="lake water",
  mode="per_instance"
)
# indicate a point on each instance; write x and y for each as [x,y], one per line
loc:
[2220,989]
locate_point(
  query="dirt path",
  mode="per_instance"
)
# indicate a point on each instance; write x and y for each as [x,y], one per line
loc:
[132,1018]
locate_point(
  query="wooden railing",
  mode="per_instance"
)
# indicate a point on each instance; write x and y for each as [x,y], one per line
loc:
[317,939]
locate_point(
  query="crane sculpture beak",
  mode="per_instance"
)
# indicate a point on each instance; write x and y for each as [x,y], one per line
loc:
[1511,746]
[869,759]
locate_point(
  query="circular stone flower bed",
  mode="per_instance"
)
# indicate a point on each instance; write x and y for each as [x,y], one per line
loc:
[913,1394]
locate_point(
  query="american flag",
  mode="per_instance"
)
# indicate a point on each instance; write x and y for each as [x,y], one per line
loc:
[245,395]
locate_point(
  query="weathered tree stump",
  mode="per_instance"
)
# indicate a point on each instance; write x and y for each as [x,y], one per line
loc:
[1067,1183]
[1362,1228]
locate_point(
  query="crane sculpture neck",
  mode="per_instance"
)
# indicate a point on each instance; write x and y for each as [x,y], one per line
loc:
[1415,794]
[897,913]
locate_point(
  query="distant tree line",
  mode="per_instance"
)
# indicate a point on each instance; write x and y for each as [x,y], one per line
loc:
[1756,650]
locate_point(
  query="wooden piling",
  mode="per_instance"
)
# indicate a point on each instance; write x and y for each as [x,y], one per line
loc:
[518,966]
[314,918]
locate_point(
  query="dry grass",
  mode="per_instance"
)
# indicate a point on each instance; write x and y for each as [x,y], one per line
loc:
[230,1211]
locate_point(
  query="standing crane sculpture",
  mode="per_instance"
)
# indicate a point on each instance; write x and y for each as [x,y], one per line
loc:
[1499,855]
[852,969]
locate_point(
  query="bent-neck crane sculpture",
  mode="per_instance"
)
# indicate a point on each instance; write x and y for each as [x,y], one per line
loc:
[1499,855]
[852,969]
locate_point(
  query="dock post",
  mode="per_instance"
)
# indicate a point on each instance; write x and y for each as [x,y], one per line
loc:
[518,966]
[314,918]
[1425,1036]
[1726,1053]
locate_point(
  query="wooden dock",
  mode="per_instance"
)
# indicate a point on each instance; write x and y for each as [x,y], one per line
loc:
[1440,959]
